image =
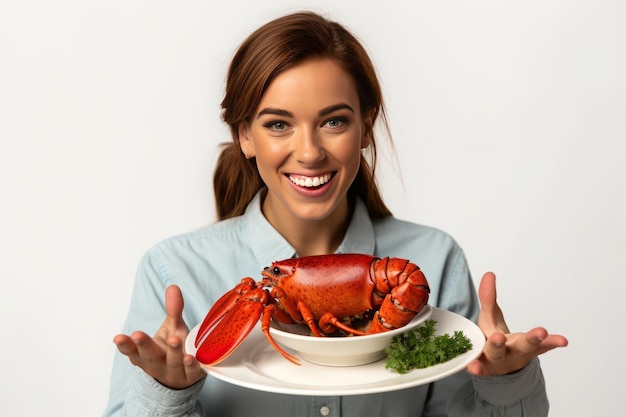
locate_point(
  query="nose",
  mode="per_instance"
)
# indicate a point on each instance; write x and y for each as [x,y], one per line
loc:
[308,147]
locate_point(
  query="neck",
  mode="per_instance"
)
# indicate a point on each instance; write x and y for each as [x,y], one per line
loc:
[312,237]
[316,239]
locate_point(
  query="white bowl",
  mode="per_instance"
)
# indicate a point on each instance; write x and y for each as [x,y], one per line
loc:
[340,351]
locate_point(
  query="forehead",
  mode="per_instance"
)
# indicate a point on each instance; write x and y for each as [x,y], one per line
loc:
[313,84]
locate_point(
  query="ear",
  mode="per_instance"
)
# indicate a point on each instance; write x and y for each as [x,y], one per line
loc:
[245,143]
[368,129]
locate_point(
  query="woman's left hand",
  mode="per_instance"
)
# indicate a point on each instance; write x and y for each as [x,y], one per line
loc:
[506,352]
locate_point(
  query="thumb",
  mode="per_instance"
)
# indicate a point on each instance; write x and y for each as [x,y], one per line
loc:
[487,291]
[173,325]
[491,315]
[174,304]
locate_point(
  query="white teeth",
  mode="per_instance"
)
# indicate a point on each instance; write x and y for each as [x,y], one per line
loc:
[310,181]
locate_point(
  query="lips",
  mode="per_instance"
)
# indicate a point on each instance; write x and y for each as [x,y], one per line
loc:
[310,181]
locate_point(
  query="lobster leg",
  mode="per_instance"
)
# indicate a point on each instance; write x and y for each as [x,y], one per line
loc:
[329,324]
[268,312]
[309,319]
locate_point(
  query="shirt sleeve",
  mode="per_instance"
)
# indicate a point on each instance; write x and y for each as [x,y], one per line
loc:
[147,397]
[522,393]
[133,392]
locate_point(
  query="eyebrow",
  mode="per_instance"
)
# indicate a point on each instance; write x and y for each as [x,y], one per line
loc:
[277,112]
[325,111]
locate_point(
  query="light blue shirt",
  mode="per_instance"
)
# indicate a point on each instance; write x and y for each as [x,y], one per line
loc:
[208,262]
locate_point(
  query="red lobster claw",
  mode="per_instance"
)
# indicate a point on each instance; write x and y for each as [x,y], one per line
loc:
[223,306]
[228,334]
[231,319]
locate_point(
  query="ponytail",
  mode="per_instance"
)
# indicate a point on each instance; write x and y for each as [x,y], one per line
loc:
[236,181]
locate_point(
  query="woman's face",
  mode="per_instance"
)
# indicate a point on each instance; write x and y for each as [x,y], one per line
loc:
[306,135]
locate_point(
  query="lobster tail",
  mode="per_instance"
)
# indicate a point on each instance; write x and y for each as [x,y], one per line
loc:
[406,290]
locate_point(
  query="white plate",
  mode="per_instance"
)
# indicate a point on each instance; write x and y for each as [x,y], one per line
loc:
[256,365]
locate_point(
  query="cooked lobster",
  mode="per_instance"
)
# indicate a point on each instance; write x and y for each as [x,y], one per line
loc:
[323,292]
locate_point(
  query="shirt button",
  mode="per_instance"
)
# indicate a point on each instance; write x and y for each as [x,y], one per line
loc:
[324,410]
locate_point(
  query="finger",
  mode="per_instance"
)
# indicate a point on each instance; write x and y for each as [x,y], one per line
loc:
[487,288]
[494,352]
[536,336]
[174,304]
[191,363]
[495,347]
[139,348]
[475,368]
[175,354]
[556,341]
[193,370]
[487,292]
[125,345]
[181,370]
[491,318]
[539,341]
[174,323]
[148,350]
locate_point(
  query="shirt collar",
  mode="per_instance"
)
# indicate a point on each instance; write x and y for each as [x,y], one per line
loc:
[268,245]
[360,237]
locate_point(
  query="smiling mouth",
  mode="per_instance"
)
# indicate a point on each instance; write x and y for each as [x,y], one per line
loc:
[310,182]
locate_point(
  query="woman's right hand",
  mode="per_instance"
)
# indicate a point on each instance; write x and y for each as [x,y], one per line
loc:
[163,357]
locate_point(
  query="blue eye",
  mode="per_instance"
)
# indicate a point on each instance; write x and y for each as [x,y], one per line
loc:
[336,122]
[276,125]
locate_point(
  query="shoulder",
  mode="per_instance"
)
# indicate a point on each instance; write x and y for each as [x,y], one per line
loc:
[434,250]
[220,251]
[225,233]
[437,254]
[397,233]
[205,248]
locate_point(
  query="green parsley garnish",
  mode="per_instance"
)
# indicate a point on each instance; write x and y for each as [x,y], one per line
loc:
[420,348]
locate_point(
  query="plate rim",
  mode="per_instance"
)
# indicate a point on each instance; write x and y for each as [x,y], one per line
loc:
[232,373]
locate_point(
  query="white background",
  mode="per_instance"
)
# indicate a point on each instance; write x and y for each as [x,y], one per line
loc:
[508,118]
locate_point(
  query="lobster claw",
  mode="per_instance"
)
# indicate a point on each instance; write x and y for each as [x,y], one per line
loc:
[232,318]
[228,334]
[236,314]
[223,306]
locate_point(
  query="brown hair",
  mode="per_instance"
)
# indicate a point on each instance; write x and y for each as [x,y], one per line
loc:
[278,45]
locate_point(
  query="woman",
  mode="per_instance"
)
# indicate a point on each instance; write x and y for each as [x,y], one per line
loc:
[302,100]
